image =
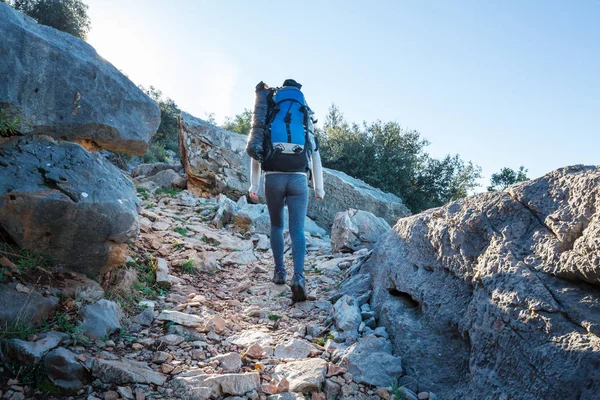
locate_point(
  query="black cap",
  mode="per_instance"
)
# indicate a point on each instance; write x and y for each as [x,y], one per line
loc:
[291,82]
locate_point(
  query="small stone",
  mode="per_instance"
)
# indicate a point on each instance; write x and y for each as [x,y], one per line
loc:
[161,357]
[410,383]
[318,396]
[423,396]
[181,318]
[166,368]
[283,386]
[305,375]
[371,323]
[111,395]
[197,354]
[145,318]
[230,362]
[383,393]
[333,370]
[177,370]
[255,351]
[407,394]
[101,319]
[125,392]
[171,340]
[268,388]
[215,324]
[137,346]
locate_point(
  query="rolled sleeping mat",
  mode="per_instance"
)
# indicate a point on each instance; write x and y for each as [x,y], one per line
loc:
[254,146]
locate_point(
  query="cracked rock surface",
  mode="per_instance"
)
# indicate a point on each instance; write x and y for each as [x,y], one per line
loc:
[58,199]
[497,295]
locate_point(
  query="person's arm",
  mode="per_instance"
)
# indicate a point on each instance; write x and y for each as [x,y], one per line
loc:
[317,171]
[254,179]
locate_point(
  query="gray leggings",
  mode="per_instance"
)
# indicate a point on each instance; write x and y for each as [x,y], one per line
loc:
[293,189]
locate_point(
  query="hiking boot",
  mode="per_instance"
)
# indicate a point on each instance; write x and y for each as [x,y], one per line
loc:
[279,277]
[298,288]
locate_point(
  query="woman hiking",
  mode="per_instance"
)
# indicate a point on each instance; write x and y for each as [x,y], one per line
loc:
[283,144]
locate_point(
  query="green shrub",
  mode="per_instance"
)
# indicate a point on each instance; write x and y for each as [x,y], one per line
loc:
[188,267]
[168,191]
[149,158]
[172,145]
[8,124]
[182,231]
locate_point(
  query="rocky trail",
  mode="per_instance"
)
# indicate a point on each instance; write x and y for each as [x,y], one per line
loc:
[208,323]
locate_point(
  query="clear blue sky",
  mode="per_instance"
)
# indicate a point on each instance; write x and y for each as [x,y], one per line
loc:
[502,83]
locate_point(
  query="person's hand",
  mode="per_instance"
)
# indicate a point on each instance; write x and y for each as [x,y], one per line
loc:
[319,198]
[253,196]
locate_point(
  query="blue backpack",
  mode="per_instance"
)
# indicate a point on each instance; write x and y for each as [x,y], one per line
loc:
[288,140]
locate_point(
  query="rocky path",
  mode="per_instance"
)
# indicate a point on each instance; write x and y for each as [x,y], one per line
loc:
[217,327]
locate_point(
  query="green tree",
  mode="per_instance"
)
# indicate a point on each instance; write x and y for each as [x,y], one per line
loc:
[507,177]
[167,133]
[392,158]
[240,123]
[65,15]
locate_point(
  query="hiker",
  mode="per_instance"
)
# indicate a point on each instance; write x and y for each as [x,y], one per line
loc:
[283,144]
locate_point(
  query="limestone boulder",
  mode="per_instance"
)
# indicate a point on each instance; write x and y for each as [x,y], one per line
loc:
[123,371]
[306,375]
[347,317]
[60,200]
[22,352]
[18,306]
[496,296]
[370,361]
[356,229]
[198,385]
[101,319]
[166,179]
[343,192]
[147,170]
[58,85]
[214,159]
[64,370]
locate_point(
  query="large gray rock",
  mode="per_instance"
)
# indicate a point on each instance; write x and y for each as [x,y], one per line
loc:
[347,317]
[21,352]
[147,170]
[58,199]
[181,318]
[214,159]
[124,371]
[343,192]
[370,361]
[198,385]
[166,179]
[305,375]
[294,348]
[216,162]
[101,319]
[496,296]
[64,370]
[230,362]
[356,229]
[19,307]
[59,86]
